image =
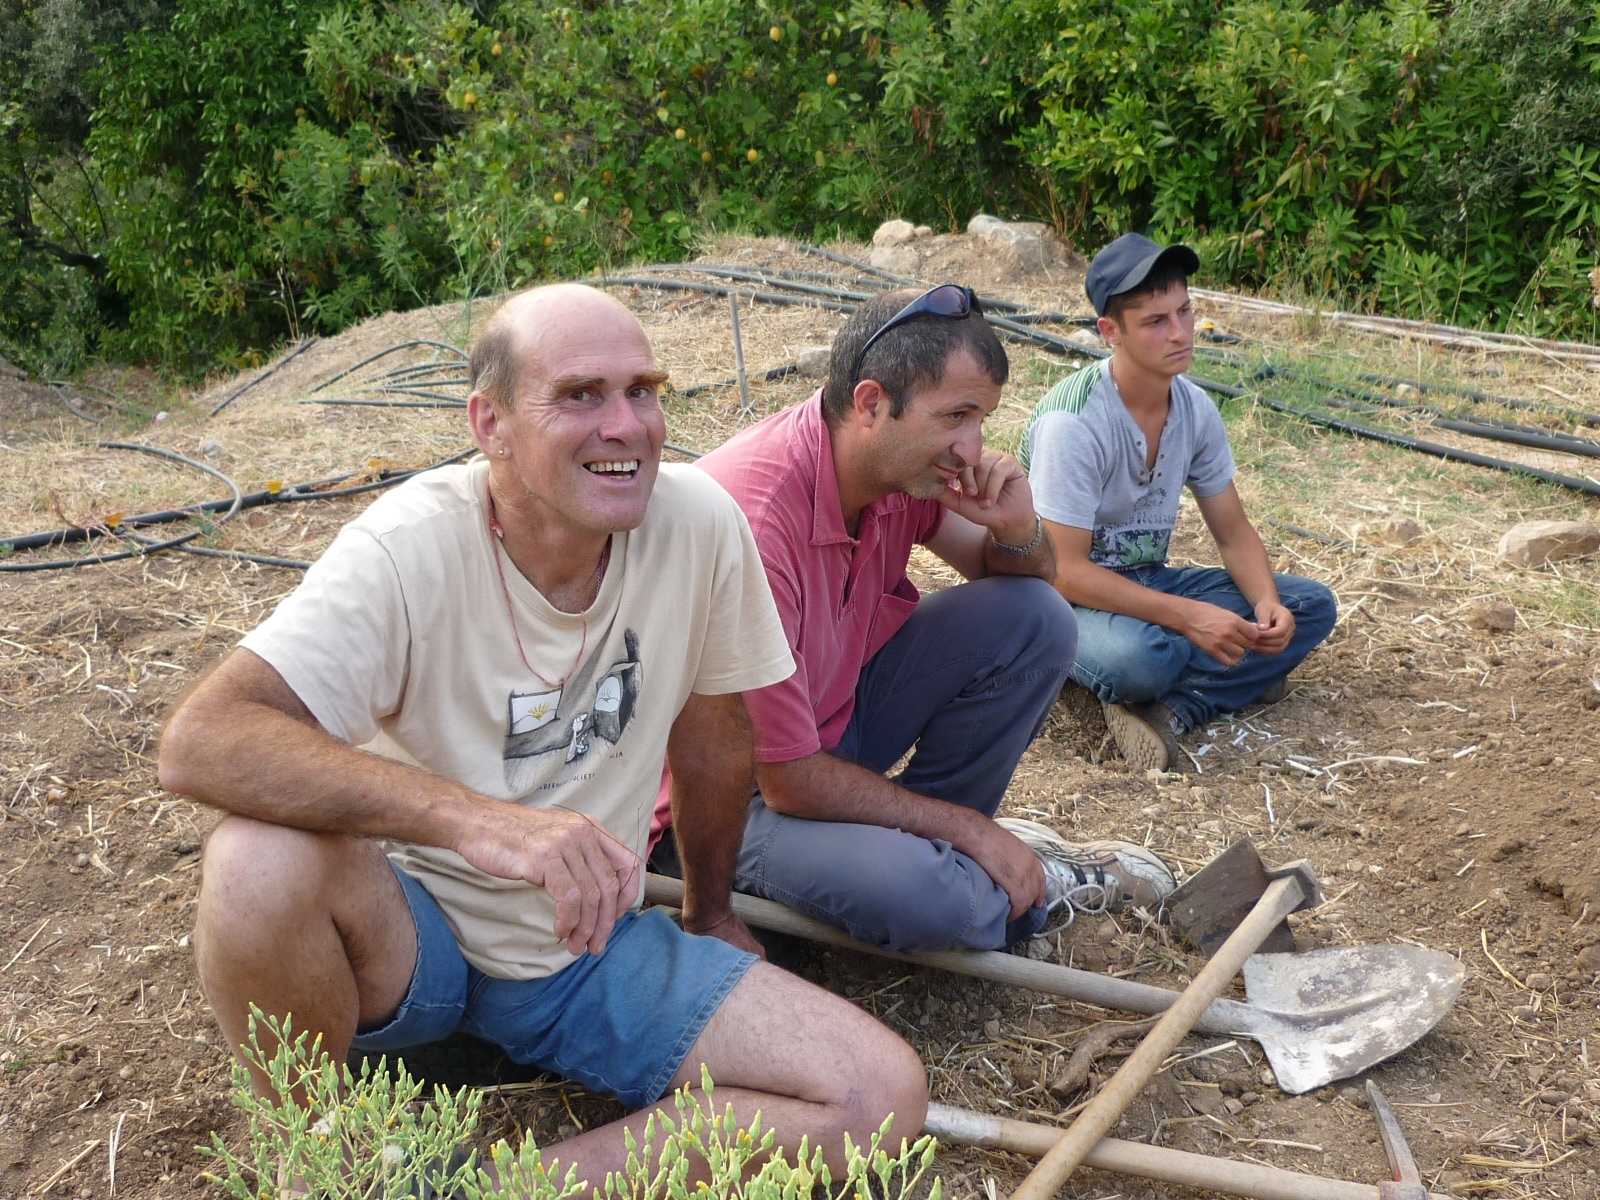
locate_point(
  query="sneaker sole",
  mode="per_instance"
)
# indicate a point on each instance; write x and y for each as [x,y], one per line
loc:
[1139,744]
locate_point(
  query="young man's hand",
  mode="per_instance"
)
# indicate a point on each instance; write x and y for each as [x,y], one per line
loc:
[1222,634]
[1275,624]
[994,493]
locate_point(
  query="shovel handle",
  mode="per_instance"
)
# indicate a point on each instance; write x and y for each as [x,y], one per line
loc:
[1281,898]
[1228,1017]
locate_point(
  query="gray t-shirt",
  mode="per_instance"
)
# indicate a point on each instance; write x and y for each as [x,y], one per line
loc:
[1085,459]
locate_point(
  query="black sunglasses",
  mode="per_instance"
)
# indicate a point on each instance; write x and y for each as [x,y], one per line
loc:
[947,300]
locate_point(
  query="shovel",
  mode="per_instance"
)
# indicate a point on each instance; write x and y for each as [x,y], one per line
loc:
[1324,1015]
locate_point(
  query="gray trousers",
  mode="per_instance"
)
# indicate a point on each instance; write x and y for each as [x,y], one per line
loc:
[967,682]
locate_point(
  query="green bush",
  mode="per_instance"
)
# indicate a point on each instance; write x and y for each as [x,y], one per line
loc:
[376,1138]
[238,172]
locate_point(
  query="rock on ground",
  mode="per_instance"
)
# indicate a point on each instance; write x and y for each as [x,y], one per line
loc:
[894,233]
[812,362]
[1534,543]
[1493,616]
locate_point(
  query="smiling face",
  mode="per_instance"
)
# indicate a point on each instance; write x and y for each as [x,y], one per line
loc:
[1156,332]
[939,433]
[578,447]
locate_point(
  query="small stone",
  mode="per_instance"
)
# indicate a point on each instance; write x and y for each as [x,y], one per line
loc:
[813,361]
[1474,719]
[1552,1096]
[991,1029]
[1407,391]
[1539,981]
[1154,774]
[563,1132]
[1233,1105]
[1505,847]
[1534,543]
[1154,811]
[56,795]
[923,231]
[1492,616]
[126,1072]
[1268,1079]
[894,233]
[1525,1012]
[1434,1097]
[1087,338]
[1249,1098]
[1463,829]
[80,861]
[1400,806]
[162,416]
[212,449]
[1354,1095]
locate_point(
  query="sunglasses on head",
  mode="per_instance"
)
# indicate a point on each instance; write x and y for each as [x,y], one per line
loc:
[947,300]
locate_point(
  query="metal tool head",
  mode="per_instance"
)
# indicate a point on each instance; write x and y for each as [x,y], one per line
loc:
[1407,1184]
[1330,1014]
[1213,901]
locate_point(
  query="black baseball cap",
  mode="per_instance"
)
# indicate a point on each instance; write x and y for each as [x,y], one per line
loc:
[1127,262]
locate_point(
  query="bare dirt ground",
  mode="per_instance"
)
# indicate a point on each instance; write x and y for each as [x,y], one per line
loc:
[1441,778]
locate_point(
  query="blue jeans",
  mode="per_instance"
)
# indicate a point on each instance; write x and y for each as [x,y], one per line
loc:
[1124,660]
[968,682]
[622,1021]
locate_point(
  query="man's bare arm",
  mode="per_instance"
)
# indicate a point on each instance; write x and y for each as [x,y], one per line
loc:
[711,751]
[243,741]
[1245,559]
[824,787]
[1220,633]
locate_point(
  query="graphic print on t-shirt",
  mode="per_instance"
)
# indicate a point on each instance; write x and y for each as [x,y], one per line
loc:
[544,720]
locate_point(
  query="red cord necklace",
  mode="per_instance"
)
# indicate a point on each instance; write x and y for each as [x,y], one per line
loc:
[497,535]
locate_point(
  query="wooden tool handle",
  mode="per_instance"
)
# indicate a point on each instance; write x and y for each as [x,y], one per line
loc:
[1282,897]
[1258,1181]
[1226,1016]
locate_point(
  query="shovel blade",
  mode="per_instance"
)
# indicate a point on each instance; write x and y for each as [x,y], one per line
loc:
[1332,1013]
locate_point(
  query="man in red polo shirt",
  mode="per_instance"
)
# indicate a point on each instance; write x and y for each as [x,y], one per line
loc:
[837,490]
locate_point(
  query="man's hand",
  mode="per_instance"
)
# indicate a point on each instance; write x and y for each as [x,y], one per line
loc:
[731,929]
[590,874]
[1011,864]
[994,493]
[1275,625]
[1220,633]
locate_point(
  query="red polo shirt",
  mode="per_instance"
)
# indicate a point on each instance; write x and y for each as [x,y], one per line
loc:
[840,597]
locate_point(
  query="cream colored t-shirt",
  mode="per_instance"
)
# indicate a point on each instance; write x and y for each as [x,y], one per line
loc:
[399,641]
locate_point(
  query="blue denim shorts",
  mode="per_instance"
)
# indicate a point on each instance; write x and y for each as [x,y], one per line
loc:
[621,1022]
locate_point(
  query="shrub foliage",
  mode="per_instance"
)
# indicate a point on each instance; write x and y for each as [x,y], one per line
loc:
[190,181]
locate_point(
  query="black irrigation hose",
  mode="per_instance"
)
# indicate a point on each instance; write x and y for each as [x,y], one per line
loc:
[336,400]
[1522,435]
[63,393]
[238,555]
[1311,534]
[774,373]
[1434,449]
[146,548]
[747,276]
[1514,436]
[684,450]
[305,344]
[372,358]
[425,393]
[846,260]
[717,289]
[288,495]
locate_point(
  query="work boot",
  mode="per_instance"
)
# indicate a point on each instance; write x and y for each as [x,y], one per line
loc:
[1092,877]
[1275,693]
[1147,735]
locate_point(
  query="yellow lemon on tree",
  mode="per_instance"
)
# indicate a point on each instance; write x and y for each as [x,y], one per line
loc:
[495,49]
[559,197]
[775,33]
[470,99]
[833,79]
[680,133]
[705,156]
[753,155]
[548,240]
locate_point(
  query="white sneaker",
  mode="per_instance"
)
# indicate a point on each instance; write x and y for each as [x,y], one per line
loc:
[1092,877]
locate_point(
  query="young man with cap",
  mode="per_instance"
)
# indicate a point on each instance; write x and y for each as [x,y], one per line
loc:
[1108,452]
[838,490]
